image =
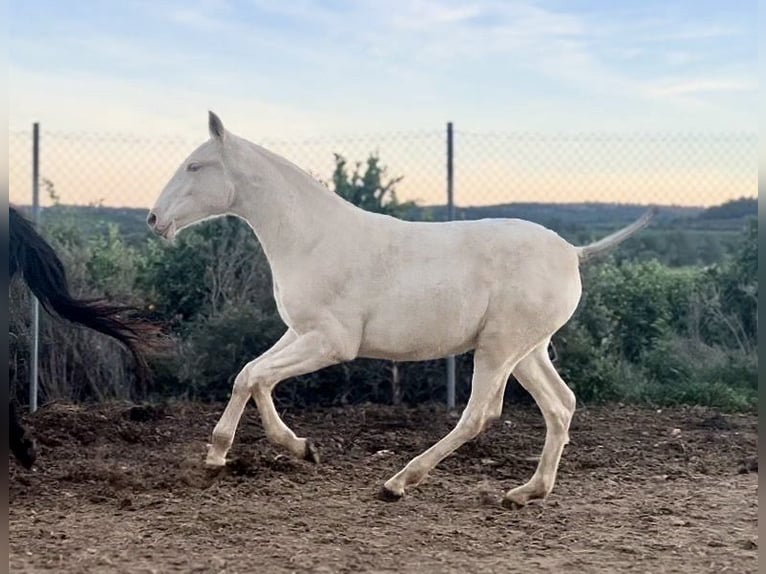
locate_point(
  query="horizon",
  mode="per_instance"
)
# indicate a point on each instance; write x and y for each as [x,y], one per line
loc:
[25,206]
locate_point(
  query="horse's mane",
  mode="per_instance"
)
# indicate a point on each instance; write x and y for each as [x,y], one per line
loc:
[34,259]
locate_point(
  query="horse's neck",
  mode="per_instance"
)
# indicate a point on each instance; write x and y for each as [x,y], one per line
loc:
[289,211]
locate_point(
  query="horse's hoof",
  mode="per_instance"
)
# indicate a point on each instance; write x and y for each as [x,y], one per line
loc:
[511,504]
[214,469]
[518,500]
[387,495]
[26,453]
[311,454]
[213,460]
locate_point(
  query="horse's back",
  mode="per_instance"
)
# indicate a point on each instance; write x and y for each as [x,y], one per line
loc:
[437,285]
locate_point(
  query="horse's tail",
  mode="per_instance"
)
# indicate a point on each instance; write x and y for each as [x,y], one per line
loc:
[44,273]
[587,252]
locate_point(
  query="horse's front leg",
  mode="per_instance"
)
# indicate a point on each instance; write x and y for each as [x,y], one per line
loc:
[223,434]
[292,356]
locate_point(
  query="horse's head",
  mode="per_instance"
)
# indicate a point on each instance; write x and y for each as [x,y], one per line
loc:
[200,188]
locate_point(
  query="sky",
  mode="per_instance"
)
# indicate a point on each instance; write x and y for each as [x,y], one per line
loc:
[286,70]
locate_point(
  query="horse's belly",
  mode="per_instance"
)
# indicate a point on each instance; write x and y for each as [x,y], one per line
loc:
[423,328]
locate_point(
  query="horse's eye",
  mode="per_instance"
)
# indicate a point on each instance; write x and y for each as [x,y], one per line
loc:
[193,166]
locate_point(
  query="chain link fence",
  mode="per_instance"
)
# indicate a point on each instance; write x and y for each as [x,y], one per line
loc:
[491,168]
[495,174]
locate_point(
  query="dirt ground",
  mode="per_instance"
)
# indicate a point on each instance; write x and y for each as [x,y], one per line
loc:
[123,489]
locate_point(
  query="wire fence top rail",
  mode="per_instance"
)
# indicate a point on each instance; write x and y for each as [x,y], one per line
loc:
[490,167]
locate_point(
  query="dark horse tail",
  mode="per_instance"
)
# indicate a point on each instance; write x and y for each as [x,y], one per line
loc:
[44,274]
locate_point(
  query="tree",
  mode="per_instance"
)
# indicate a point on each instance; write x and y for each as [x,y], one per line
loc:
[368,190]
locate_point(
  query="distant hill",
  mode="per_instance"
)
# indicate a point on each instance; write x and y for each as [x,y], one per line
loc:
[679,235]
[96,220]
[600,214]
[557,214]
[132,220]
[735,209]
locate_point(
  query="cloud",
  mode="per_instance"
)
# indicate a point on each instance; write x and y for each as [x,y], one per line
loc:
[197,20]
[701,86]
[95,103]
[366,63]
[425,14]
[700,32]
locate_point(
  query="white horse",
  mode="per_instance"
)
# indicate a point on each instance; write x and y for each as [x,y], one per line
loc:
[349,283]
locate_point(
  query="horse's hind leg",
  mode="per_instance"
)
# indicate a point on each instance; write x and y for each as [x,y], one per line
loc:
[556,401]
[490,374]
[22,446]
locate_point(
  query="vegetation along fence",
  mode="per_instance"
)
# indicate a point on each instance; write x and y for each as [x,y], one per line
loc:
[670,317]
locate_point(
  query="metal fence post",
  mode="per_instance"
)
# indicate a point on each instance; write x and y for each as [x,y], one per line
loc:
[33,375]
[450,217]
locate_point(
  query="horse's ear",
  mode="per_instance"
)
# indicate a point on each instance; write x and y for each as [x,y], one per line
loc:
[216,126]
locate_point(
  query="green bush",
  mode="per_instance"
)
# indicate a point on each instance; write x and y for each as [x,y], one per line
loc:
[644,332]
[216,347]
[648,333]
[690,372]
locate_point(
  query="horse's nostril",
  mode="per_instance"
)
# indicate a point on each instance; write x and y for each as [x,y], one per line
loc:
[151,220]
